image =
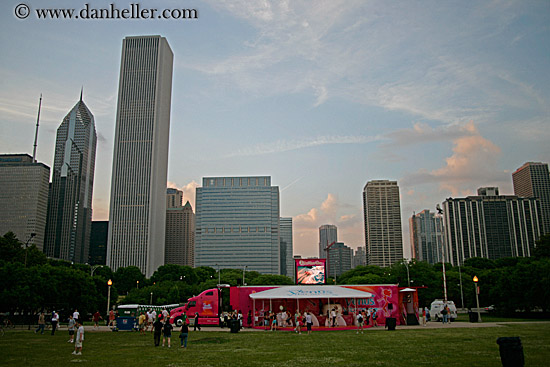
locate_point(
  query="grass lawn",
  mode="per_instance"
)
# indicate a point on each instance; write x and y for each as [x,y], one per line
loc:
[413,347]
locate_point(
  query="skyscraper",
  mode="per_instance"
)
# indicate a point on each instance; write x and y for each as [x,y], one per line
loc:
[286,241]
[24,198]
[237,224]
[70,204]
[340,259]
[427,237]
[490,226]
[180,230]
[137,216]
[359,258]
[98,243]
[533,180]
[328,234]
[382,215]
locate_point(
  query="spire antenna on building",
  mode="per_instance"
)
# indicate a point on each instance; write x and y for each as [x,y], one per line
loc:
[81,90]
[36,132]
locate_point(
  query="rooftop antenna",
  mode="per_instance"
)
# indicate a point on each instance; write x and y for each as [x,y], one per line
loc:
[81,90]
[36,132]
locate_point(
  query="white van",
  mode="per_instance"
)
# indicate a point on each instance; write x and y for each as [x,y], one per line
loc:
[437,306]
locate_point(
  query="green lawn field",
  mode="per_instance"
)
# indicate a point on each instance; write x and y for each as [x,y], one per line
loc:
[406,347]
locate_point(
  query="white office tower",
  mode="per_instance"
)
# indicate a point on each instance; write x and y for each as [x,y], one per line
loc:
[137,217]
[382,213]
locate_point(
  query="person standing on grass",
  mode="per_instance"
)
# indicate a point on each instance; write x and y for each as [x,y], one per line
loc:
[184,333]
[76,315]
[142,323]
[298,321]
[41,323]
[111,318]
[309,322]
[196,325]
[79,339]
[157,328]
[167,332]
[70,327]
[374,317]
[360,321]
[55,320]
[96,316]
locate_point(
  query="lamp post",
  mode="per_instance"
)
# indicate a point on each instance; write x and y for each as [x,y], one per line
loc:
[244,271]
[109,284]
[151,299]
[27,245]
[137,284]
[93,269]
[477,297]
[440,212]
[219,274]
[408,274]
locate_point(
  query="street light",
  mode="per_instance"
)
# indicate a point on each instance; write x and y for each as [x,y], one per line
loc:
[109,284]
[244,270]
[408,274]
[26,246]
[151,299]
[440,212]
[219,275]
[93,269]
[137,284]
[477,297]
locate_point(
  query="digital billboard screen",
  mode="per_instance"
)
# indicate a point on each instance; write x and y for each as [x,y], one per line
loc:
[310,271]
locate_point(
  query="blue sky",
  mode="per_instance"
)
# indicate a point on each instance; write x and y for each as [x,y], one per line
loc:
[323,96]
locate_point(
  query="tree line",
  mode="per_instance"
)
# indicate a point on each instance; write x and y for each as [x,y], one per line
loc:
[30,282]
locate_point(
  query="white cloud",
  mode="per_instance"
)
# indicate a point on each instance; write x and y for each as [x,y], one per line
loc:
[474,163]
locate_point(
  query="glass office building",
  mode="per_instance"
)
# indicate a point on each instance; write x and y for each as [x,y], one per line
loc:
[237,224]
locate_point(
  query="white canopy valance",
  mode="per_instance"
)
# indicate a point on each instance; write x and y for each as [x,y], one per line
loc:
[310,291]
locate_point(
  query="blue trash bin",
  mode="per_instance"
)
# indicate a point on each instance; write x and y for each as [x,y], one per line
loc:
[125,323]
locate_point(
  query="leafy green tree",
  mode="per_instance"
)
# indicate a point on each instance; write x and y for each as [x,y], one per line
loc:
[125,279]
[542,247]
[269,279]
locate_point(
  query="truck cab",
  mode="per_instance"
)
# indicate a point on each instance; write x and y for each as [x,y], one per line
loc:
[207,305]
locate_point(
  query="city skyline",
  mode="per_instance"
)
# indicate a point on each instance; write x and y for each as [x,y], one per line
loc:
[442,99]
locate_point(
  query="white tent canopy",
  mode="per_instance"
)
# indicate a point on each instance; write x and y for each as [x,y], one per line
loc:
[408,290]
[311,291]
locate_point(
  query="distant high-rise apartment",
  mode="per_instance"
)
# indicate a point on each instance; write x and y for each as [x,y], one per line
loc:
[98,243]
[137,216]
[340,259]
[382,215]
[180,230]
[174,198]
[286,251]
[359,258]
[490,226]
[328,234]
[24,198]
[237,224]
[533,180]
[427,237]
[70,204]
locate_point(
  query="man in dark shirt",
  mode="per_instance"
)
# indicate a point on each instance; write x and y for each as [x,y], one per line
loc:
[184,333]
[157,328]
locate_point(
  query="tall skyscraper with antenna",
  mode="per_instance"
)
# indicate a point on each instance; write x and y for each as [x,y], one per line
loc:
[70,205]
[137,215]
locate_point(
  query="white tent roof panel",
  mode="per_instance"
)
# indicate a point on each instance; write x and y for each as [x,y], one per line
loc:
[311,291]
